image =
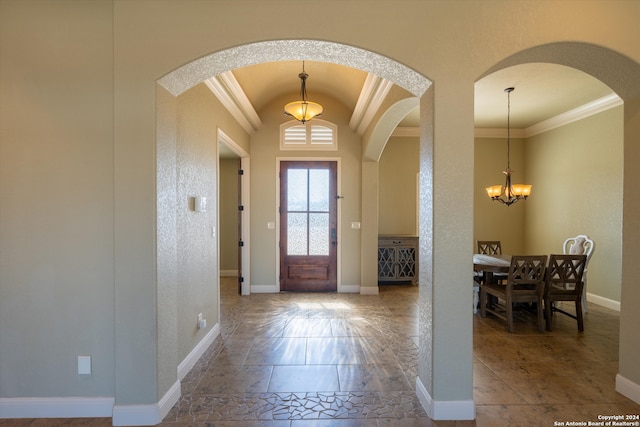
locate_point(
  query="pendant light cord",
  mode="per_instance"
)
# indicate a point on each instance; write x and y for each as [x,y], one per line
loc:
[508,90]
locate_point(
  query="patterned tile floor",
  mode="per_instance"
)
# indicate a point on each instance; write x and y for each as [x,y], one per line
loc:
[343,360]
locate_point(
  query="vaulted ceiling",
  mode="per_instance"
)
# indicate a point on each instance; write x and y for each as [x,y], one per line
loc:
[542,91]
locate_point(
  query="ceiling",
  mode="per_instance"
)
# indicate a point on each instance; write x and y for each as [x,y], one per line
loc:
[542,90]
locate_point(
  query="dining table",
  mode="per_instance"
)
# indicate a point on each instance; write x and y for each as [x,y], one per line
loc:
[488,265]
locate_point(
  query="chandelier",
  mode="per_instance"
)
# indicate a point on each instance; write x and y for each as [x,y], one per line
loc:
[303,110]
[508,193]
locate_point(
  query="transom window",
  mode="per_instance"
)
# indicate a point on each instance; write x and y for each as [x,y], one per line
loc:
[315,135]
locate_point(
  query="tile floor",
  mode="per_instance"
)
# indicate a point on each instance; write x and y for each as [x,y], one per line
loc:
[320,360]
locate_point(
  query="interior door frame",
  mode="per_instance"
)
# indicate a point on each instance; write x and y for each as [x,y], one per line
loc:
[245,251]
[338,214]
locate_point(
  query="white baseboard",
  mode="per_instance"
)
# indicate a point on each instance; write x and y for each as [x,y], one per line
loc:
[445,410]
[628,388]
[56,407]
[265,289]
[369,290]
[185,366]
[604,302]
[228,273]
[349,289]
[146,415]
[104,407]
[150,415]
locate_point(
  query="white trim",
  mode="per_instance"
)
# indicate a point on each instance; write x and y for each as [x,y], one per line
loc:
[185,366]
[56,407]
[147,415]
[353,289]
[369,290]
[265,289]
[373,93]
[497,133]
[309,144]
[604,302]
[445,410]
[628,388]
[228,273]
[582,112]
[235,102]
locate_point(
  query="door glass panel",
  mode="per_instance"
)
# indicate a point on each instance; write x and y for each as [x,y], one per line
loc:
[319,190]
[319,234]
[297,190]
[297,234]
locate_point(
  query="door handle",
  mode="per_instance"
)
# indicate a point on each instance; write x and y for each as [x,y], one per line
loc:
[334,236]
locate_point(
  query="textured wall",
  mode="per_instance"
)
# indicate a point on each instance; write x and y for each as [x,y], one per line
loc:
[78,149]
[399,165]
[577,173]
[264,154]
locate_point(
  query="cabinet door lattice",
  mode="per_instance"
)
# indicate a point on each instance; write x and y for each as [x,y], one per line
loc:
[397,259]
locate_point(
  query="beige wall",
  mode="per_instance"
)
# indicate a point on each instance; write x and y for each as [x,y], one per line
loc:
[56,199]
[493,220]
[79,164]
[577,175]
[398,169]
[265,151]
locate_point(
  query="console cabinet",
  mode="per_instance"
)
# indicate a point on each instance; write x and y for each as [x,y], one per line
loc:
[397,259]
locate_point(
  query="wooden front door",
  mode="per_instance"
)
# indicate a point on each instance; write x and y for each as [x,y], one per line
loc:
[308,226]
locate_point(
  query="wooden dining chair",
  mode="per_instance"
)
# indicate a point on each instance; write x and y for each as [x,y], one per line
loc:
[489,247]
[564,282]
[525,283]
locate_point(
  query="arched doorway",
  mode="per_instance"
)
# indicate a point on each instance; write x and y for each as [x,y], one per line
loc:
[617,72]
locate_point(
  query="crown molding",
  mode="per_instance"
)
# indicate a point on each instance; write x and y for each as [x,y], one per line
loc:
[228,91]
[374,91]
[582,112]
[497,133]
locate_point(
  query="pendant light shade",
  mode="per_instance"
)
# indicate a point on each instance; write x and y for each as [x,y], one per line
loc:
[303,110]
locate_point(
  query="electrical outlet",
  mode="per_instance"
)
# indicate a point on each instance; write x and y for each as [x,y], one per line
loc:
[84,365]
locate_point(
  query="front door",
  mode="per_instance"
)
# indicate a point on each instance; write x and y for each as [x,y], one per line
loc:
[308,221]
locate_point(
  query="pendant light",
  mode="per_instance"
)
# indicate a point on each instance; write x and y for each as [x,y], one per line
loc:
[508,193]
[303,110]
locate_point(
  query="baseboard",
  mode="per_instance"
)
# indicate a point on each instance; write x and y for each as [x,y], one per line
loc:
[628,388]
[265,289]
[349,289]
[56,407]
[604,302]
[445,410]
[150,415]
[147,415]
[104,407]
[185,366]
[369,290]
[228,273]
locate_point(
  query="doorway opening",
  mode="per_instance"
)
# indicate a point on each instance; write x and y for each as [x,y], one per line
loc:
[308,226]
